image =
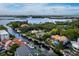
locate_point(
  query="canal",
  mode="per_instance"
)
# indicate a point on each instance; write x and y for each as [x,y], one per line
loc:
[14,33]
[17,35]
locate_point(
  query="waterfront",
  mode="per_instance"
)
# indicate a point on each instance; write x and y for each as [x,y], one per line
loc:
[26,39]
[36,47]
[19,36]
[33,20]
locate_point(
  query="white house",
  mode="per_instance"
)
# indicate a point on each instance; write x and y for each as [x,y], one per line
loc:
[4,35]
[75,44]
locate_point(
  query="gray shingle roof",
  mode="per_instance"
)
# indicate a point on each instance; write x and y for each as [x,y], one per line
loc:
[27,51]
[23,51]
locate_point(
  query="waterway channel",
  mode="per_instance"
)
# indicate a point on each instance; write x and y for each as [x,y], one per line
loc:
[18,35]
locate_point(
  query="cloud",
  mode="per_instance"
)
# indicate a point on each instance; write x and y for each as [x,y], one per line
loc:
[37,9]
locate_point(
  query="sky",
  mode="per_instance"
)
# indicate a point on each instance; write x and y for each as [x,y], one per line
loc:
[39,8]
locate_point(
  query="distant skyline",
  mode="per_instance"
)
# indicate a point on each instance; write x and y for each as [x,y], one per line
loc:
[39,8]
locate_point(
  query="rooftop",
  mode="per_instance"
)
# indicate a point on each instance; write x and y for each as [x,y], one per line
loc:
[19,42]
[23,51]
[3,32]
[58,37]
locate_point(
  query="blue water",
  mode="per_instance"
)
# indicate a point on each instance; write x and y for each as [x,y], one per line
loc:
[33,20]
[17,35]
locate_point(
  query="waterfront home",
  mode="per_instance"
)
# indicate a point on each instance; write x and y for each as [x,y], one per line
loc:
[4,41]
[4,35]
[7,43]
[75,44]
[25,51]
[59,38]
[19,42]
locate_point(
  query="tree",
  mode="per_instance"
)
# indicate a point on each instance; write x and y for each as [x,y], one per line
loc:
[54,31]
[46,35]
[15,24]
[48,41]
[2,27]
[13,47]
[75,23]
[70,33]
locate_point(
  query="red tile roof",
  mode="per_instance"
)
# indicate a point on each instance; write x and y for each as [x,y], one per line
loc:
[11,43]
[5,40]
[18,41]
[58,37]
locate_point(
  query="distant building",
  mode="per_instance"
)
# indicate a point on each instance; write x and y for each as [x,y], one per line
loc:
[4,35]
[24,26]
[8,18]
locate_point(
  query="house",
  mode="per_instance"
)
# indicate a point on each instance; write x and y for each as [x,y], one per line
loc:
[23,51]
[24,25]
[27,51]
[55,37]
[4,35]
[40,33]
[19,42]
[7,43]
[59,38]
[4,41]
[75,44]
[34,31]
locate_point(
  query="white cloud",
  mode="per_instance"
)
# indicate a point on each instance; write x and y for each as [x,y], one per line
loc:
[37,9]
